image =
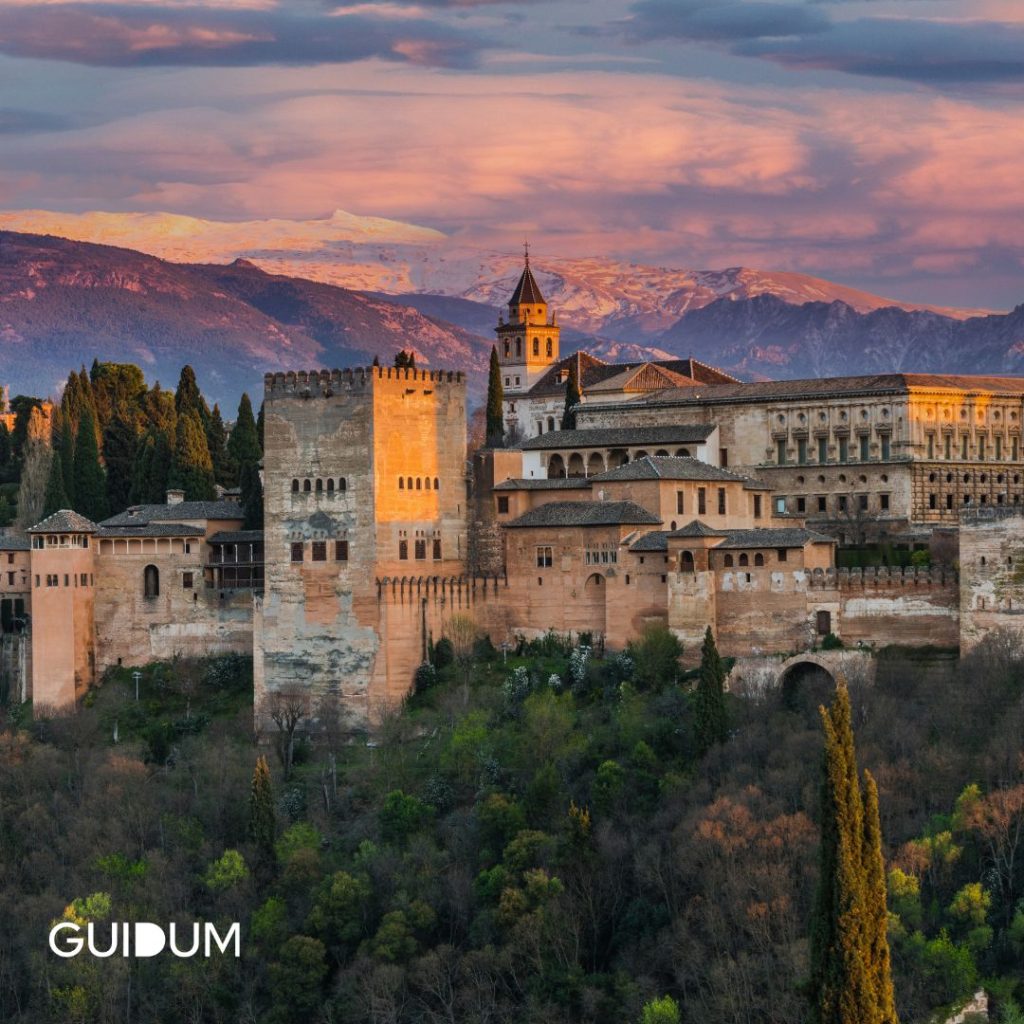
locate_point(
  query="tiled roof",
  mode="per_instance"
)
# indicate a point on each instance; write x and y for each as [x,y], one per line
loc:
[13,542]
[589,371]
[150,530]
[613,437]
[827,387]
[237,537]
[183,510]
[656,540]
[527,292]
[696,529]
[561,483]
[641,377]
[586,513]
[785,537]
[661,467]
[64,521]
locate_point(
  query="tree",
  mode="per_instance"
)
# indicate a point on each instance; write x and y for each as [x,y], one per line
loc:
[262,817]
[495,399]
[572,396]
[216,441]
[710,714]
[287,709]
[191,467]
[35,474]
[64,445]
[120,451]
[188,397]
[405,360]
[7,469]
[252,497]
[243,446]
[56,497]
[660,1011]
[850,975]
[90,481]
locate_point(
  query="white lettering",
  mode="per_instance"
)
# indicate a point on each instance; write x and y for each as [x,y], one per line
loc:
[149,939]
[73,946]
[235,930]
[174,941]
[90,931]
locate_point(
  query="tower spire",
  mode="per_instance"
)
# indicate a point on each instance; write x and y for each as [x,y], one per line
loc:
[526,251]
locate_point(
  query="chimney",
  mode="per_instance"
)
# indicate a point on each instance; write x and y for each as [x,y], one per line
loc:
[175,497]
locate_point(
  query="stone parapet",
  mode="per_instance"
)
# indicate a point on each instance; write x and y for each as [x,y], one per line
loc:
[324,383]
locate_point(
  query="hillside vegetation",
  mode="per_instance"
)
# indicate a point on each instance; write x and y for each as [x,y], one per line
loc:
[532,841]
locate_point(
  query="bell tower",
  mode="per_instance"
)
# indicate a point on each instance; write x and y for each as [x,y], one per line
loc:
[528,339]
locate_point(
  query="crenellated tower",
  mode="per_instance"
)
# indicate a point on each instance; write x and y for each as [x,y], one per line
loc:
[528,339]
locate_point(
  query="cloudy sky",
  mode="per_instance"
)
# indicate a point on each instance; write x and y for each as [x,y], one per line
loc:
[879,143]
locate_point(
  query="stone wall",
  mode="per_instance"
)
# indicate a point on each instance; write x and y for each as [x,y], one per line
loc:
[991,574]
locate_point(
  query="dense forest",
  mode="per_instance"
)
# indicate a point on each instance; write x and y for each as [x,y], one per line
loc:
[115,442]
[542,835]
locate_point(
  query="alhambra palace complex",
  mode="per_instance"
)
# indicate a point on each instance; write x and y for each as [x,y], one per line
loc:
[682,496]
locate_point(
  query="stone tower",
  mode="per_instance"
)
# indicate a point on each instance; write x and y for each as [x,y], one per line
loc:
[528,339]
[364,487]
[63,588]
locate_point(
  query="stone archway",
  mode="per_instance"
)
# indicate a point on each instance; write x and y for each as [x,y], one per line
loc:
[595,464]
[556,467]
[594,609]
[576,465]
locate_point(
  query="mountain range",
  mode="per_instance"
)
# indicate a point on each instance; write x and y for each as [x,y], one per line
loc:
[238,299]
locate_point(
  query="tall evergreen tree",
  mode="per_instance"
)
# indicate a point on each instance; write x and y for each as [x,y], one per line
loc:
[191,467]
[495,398]
[6,455]
[120,451]
[56,497]
[572,396]
[260,431]
[64,445]
[216,441]
[243,445]
[252,496]
[262,817]
[89,479]
[710,713]
[850,975]
[188,397]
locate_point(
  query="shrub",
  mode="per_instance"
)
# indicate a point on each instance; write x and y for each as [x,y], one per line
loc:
[425,678]
[830,642]
[444,653]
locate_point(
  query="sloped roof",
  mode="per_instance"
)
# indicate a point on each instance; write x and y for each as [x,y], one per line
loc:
[150,530]
[64,521]
[783,537]
[237,537]
[586,513]
[527,292]
[617,437]
[668,467]
[561,483]
[696,529]
[589,371]
[656,540]
[14,542]
[642,377]
[139,515]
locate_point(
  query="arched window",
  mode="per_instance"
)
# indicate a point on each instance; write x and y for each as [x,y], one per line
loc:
[426,484]
[306,486]
[508,349]
[549,347]
[295,487]
[759,559]
[551,423]
[319,486]
[343,484]
[418,483]
[436,484]
[686,561]
[330,485]
[536,346]
[401,483]
[408,483]
[683,452]
[744,560]
[728,561]
[151,581]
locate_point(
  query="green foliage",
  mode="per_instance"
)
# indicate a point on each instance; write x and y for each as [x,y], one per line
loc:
[830,642]
[216,442]
[444,653]
[572,396]
[227,872]
[299,836]
[339,909]
[120,451]
[262,816]
[191,467]
[661,1011]
[90,481]
[711,720]
[495,430]
[252,496]
[56,497]
[401,815]
[244,446]
[189,399]
[405,360]
[296,978]
[655,657]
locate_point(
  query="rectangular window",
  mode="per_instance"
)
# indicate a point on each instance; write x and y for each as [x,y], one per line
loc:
[403,550]
[502,506]
[862,502]
[37,580]
[679,503]
[844,449]
[822,503]
[949,501]
[884,441]
[10,559]
[981,448]
[841,502]
[319,551]
[723,457]
[297,551]
[702,501]
[963,447]
[421,549]
[823,621]
[780,452]
[186,580]
[883,502]
[10,579]
[721,501]
[780,554]
[801,450]
[85,580]
[947,446]
[780,506]
[933,501]
[999,448]
[931,446]
[757,506]
[67,581]
[823,449]
[544,558]
[801,505]
[341,550]
[1014,448]
[437,549]
[865,448]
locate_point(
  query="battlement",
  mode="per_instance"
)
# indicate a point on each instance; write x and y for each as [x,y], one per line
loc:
[326,383]
[981,514]
[881,576]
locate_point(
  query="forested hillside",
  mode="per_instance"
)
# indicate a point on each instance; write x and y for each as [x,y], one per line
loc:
[558,838]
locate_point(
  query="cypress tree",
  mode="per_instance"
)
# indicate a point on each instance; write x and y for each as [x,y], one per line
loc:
[188,397]
[710,714]
[260,429]
[850,974]
[56,497]
[572,396]
[120,451]
[63,441]
[6,454]
[262,818]
[89,479]
[495,398]
[252,496]
[243,445]
[216,441]
[191,467]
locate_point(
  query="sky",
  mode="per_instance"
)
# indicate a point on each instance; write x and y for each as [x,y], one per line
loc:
[879,143]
